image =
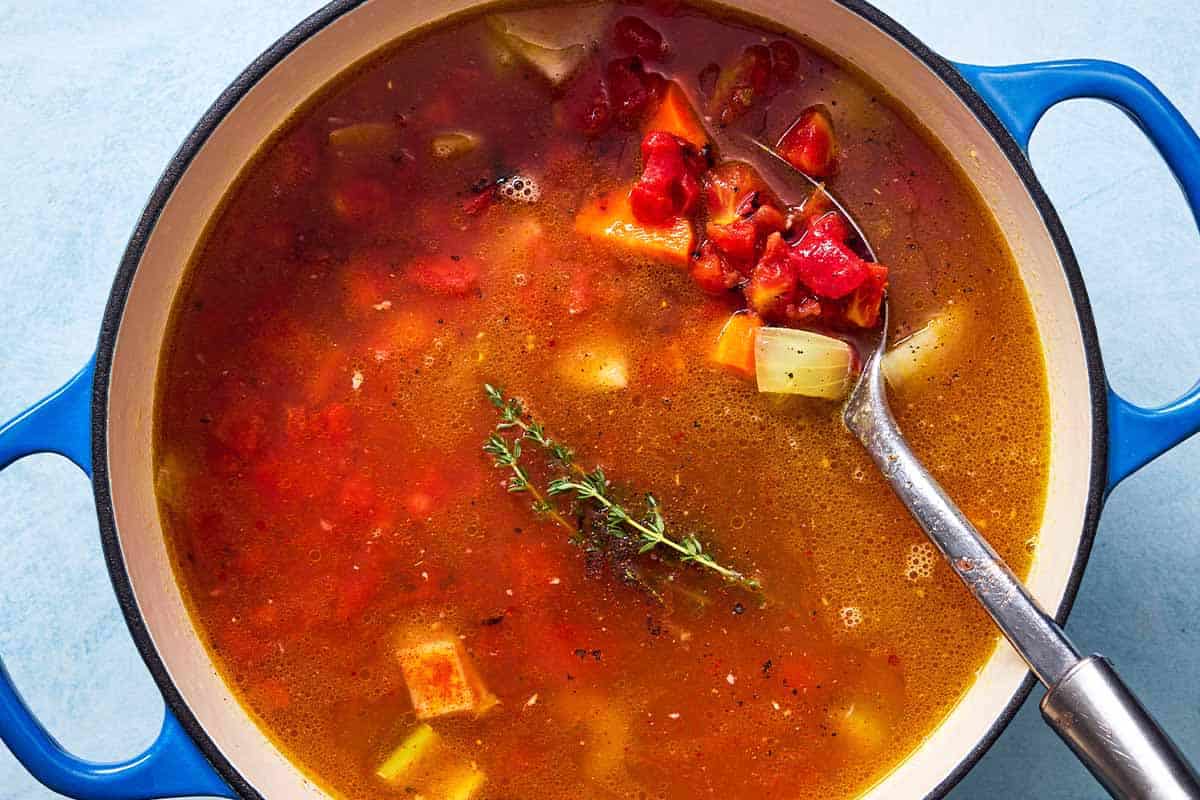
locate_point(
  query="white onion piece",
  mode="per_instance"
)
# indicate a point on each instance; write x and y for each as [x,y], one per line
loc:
[917,354]
[553,41]
[790,361]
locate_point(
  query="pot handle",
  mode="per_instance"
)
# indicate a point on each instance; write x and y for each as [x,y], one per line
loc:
[172,766]
[1019,95]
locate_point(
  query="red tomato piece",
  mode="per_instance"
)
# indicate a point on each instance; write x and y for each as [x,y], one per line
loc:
[588,104]
[828,267]
[670,185]
[637,37]
[741,84]
[830,225]
[448,275]
[633,92]
[729,186]
[711,272]
[741,241]
[773,280]
[809,145]
[864,303]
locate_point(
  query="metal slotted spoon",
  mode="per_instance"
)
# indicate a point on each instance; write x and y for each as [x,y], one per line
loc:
[1086,702]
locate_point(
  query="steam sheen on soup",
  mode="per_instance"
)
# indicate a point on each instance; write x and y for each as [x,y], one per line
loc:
[531,200]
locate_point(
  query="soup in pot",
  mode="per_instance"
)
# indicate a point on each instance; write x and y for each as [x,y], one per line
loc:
[498,438]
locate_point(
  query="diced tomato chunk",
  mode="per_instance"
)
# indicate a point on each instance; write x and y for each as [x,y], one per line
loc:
[742,240]
[827,266]
[815,206]
[773,280]
[864,304]
[621,93]
[633,92]
[741,84]
[480,201]
[830,225]
[670,185]
[818,276]
[712,272]
[588,104]
[809,144]
[441,274]
[637,37]
[728,186]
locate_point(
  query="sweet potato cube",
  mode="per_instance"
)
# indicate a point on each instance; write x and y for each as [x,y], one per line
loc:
[735,343]
[441,680]
[675,115]
[609,218]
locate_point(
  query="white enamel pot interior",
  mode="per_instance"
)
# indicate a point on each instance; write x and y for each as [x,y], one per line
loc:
[323,47]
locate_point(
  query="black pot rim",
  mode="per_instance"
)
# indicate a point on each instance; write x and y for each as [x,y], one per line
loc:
[325,16]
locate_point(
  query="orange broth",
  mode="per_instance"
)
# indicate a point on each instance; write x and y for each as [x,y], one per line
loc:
[320,416]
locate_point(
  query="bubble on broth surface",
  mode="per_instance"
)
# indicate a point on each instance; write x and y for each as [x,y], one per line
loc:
[920,561]
[520,189]
[851,616]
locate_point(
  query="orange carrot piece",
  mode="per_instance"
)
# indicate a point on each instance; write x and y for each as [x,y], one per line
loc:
[676,115]
[735,343]
[609,217]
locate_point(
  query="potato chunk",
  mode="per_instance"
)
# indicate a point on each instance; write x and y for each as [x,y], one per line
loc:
[441,680]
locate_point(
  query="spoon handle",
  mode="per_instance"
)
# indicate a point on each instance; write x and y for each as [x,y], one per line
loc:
[1087,704]
[1102,721]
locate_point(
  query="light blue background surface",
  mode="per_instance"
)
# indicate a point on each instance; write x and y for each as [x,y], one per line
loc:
[97,95]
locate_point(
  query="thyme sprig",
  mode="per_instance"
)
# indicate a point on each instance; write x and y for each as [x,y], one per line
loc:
[508,456]
[592,488]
